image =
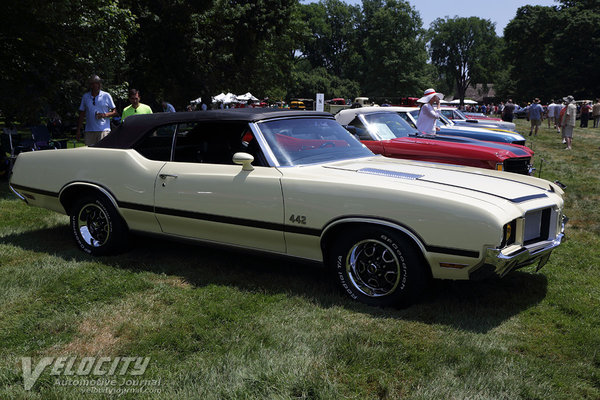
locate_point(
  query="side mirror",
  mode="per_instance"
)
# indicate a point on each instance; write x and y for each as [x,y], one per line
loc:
[245,160]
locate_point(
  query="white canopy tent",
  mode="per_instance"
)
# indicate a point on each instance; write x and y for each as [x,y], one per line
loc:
[196,101]
[229,98]
[246,97]
[467,101]
[218,98]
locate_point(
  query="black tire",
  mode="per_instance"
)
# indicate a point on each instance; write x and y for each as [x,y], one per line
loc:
[97,227]
[378,266]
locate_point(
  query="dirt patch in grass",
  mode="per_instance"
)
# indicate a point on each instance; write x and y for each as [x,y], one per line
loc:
[110,330]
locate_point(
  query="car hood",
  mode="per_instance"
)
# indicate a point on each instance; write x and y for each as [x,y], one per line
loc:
[463,128]
[377,170]
[512,150]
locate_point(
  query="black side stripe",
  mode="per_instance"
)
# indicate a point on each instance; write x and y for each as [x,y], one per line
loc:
[135,206]
[37,191]
[223,219]
[248,222]
[454,252]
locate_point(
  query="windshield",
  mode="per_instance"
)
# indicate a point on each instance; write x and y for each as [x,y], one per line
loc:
[408,118]
[444,121]
[441,122]
[460,114]
[311,140]
[388,125]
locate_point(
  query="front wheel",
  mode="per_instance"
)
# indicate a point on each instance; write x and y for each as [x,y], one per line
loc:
[378,266]
[97,227]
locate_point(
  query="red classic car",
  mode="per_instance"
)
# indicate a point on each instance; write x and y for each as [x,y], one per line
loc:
[387,133]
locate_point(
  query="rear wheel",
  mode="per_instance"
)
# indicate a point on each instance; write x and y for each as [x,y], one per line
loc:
[378,266]
[97,227]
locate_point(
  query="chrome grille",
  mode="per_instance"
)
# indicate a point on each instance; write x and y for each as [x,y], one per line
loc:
[517,165]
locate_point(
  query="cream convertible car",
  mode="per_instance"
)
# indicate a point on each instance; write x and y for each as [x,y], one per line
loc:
[296,183]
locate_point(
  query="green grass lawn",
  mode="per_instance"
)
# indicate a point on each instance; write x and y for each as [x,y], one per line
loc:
[224,325]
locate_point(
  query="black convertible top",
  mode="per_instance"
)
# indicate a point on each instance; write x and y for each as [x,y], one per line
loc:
[135,126]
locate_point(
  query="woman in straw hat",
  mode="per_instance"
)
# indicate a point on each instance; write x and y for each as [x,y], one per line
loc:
[428,115]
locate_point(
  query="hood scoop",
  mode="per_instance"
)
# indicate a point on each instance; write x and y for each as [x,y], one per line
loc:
[389,174]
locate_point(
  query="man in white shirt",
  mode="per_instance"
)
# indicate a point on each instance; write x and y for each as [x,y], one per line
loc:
[550,113]
[428,115]
[98,108]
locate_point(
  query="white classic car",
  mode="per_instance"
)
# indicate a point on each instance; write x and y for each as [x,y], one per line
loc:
[296,183]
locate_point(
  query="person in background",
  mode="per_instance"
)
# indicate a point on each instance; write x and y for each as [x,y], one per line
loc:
[586,110]
[557,114]
[596,113]
[509,111]
[167,107]
[550,113]
[427,115]
[136,107]
[97,108]
[535,112]
[568,121]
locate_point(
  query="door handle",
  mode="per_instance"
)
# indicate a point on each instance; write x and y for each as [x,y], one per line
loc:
[165,176]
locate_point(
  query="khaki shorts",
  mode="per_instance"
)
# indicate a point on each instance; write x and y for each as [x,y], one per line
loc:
[536,122]
[94,137]
[567,131]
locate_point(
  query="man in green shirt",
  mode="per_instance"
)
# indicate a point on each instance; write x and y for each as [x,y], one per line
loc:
[136,107]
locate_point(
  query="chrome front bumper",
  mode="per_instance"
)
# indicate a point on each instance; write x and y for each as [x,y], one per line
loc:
[496,263]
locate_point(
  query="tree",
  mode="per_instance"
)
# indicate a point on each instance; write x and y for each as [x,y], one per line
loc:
[50,48]
[332,42]
[184,49]
[529,51]
[548,61]
[465,50]
[576,49]
[394,49]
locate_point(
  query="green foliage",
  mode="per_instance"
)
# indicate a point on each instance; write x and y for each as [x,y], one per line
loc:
[50,48]
[394,49]
[318,80]
[554,51]
[465,50]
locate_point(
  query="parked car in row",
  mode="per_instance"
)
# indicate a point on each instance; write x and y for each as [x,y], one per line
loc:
[449,128]
[296,183]
[459,118]
[387,133]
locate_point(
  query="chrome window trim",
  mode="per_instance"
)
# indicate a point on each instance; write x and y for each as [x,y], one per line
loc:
[268,153]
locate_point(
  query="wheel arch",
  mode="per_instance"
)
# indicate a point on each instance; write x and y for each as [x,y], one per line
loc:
[69,194]
[331,231]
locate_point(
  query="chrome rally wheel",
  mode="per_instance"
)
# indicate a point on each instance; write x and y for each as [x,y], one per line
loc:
[97,227]
[377,265]
[373,268]
[93,225]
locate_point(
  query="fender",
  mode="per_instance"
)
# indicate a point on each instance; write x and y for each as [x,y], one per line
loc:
[94,186]
[375,221]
